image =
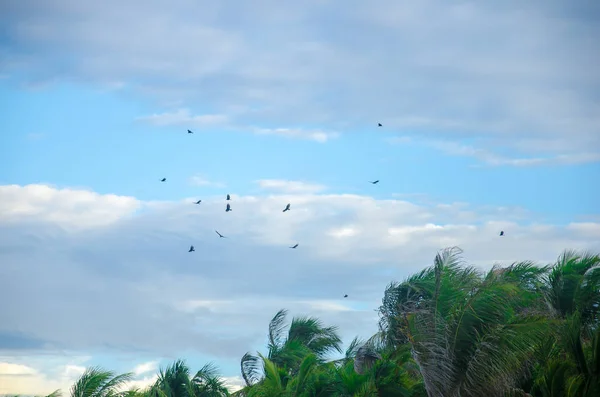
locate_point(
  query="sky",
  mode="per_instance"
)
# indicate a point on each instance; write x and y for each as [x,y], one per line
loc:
[490,116]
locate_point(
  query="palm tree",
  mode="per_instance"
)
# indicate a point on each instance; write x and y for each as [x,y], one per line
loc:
[96,382]
[175,381]
[573,286]
[569,363]
[305,336]
[378,368]
[467,330]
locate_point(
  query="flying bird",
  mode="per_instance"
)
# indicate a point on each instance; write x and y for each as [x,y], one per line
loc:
[345,296]
[163,180]
[287,208]
[198,202]
[295,246]
[228,197]
[502,233]
[228,208]
[190,132]
[375,182]
[379,125]
[191,248]
[220,235]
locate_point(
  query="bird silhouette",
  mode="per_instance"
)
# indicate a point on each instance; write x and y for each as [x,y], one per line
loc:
[190,132]
[379,125]
[287,208]
[228,197]
[375,182]
[163,180]
[191,248]
[345,296]
[228,208]
[295,246]
[220,235]
[198,202]
[502,233]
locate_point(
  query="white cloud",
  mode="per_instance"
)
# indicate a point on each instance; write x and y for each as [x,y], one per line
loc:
[324,305]
[58,372]
[150,366]
[342,232]
[135,270]
[234,383]
[140,384]
[62,206]
[300,64]
[285,186]
[586,229]
[314,135]
[200,180]
[15,369]
[40,376]
[183,117]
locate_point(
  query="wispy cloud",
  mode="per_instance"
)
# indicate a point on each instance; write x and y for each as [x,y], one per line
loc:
[285,186]
[522,91]
[314,135]
[399,140]
[200,180]
[488,157]
[183,117]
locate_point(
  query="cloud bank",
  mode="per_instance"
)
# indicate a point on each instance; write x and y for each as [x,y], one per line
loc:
[512,77]
[89,272]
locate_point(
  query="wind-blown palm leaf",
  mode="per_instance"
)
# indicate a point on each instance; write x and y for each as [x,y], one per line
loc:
[96,382]
[301,381]
[463,336]
[251,369]
[498,354]
[354,345]
[312,334]
[207,383]
[365,358]
[174,380]
[272,380]
[573,285]
[276,328]
[369,352]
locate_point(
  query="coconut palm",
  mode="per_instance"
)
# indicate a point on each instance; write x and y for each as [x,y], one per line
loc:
[466,329]
[175,381]
[569,364]
[96,382]
[574,285]
[305,336]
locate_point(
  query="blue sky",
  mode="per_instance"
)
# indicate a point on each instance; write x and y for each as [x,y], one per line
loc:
[50,129]
[478,136]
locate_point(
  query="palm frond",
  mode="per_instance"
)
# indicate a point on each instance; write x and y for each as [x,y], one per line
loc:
[96,382]
[251,368]
[276,328]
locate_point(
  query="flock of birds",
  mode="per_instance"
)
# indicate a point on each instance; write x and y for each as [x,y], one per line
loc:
[287,208]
